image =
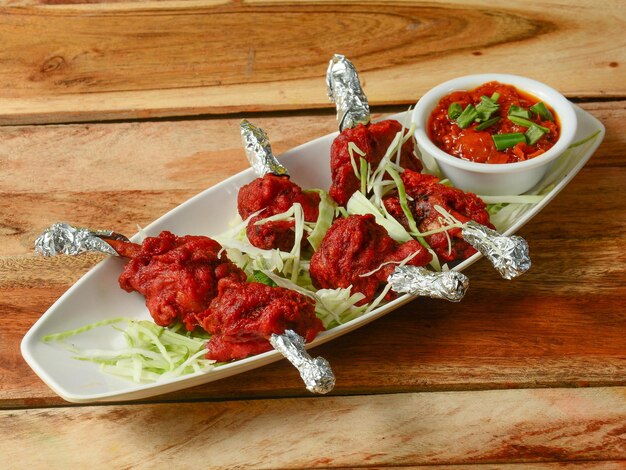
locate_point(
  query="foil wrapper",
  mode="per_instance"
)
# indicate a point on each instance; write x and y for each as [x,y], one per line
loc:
[62,238]
[344,89]
[418,281]
[316,373]
[509,255]
[259,151]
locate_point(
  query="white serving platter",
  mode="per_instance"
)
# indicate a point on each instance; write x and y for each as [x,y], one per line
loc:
[97,296]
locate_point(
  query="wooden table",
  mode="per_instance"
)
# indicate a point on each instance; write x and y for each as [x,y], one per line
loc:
[113,113]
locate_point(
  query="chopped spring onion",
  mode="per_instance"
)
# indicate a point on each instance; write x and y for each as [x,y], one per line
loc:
[486,108]
[519,112]
[454,110]
[534,133]
[495,97]
[488,123]
[467,117]
[261,277]
[542,110]
[526,123]
[504,141]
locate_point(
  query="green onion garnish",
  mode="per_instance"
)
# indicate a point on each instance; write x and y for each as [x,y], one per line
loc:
[526,123]
[534,133]
[467,116]
[487,123]
[454,110]
[495,97]
[541,110]
[486,108]
[519,112]
[504,141]
[262,278]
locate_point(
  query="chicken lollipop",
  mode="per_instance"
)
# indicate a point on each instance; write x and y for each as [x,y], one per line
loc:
[243,316]
[455,224]
[190,279]
[359,138]
[271,193]
[426,198]
[178,276]
[358,253]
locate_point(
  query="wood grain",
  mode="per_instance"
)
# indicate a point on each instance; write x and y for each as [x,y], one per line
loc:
[489,427]
[67,62]
[529,374]
[566,305]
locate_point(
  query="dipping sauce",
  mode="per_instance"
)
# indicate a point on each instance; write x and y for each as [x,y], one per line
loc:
[494,123]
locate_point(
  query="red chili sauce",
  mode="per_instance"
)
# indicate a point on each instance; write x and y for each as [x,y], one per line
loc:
[478,145]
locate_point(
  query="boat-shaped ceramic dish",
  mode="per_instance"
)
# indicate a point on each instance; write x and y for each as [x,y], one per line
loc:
[97,296]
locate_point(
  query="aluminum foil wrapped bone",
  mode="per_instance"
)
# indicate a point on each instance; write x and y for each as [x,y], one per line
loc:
[418,281]
[344,89]
[316,373]
[259,151]
[509,255]
[63,238]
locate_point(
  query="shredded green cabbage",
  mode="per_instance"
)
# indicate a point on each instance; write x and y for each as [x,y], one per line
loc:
[359,204]
[152,353]
[333,306]
[325,219]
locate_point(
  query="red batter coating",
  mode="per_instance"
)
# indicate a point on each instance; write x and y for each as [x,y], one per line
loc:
[177,275]
[274,194]
[426,192]
[358,245]
[244,315]
[374,140]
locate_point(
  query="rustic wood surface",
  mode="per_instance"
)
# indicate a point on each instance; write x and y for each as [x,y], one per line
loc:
[84,60]
[530,373]
[336,432]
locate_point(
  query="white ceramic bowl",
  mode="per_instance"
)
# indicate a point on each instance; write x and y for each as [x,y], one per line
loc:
[486,178]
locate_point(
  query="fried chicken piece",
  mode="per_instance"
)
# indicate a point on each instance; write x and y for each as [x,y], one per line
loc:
[372,139]
[425,192]
[354,247]
[273,195]
[177,275]
[244,315]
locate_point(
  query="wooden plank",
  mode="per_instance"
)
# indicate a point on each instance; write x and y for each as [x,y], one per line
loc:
[573,334]
[69,62]
[488,427]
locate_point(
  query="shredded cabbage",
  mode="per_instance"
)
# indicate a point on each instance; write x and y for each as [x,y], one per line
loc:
[333,306]
[359,204]
[152,353]
[327,207]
